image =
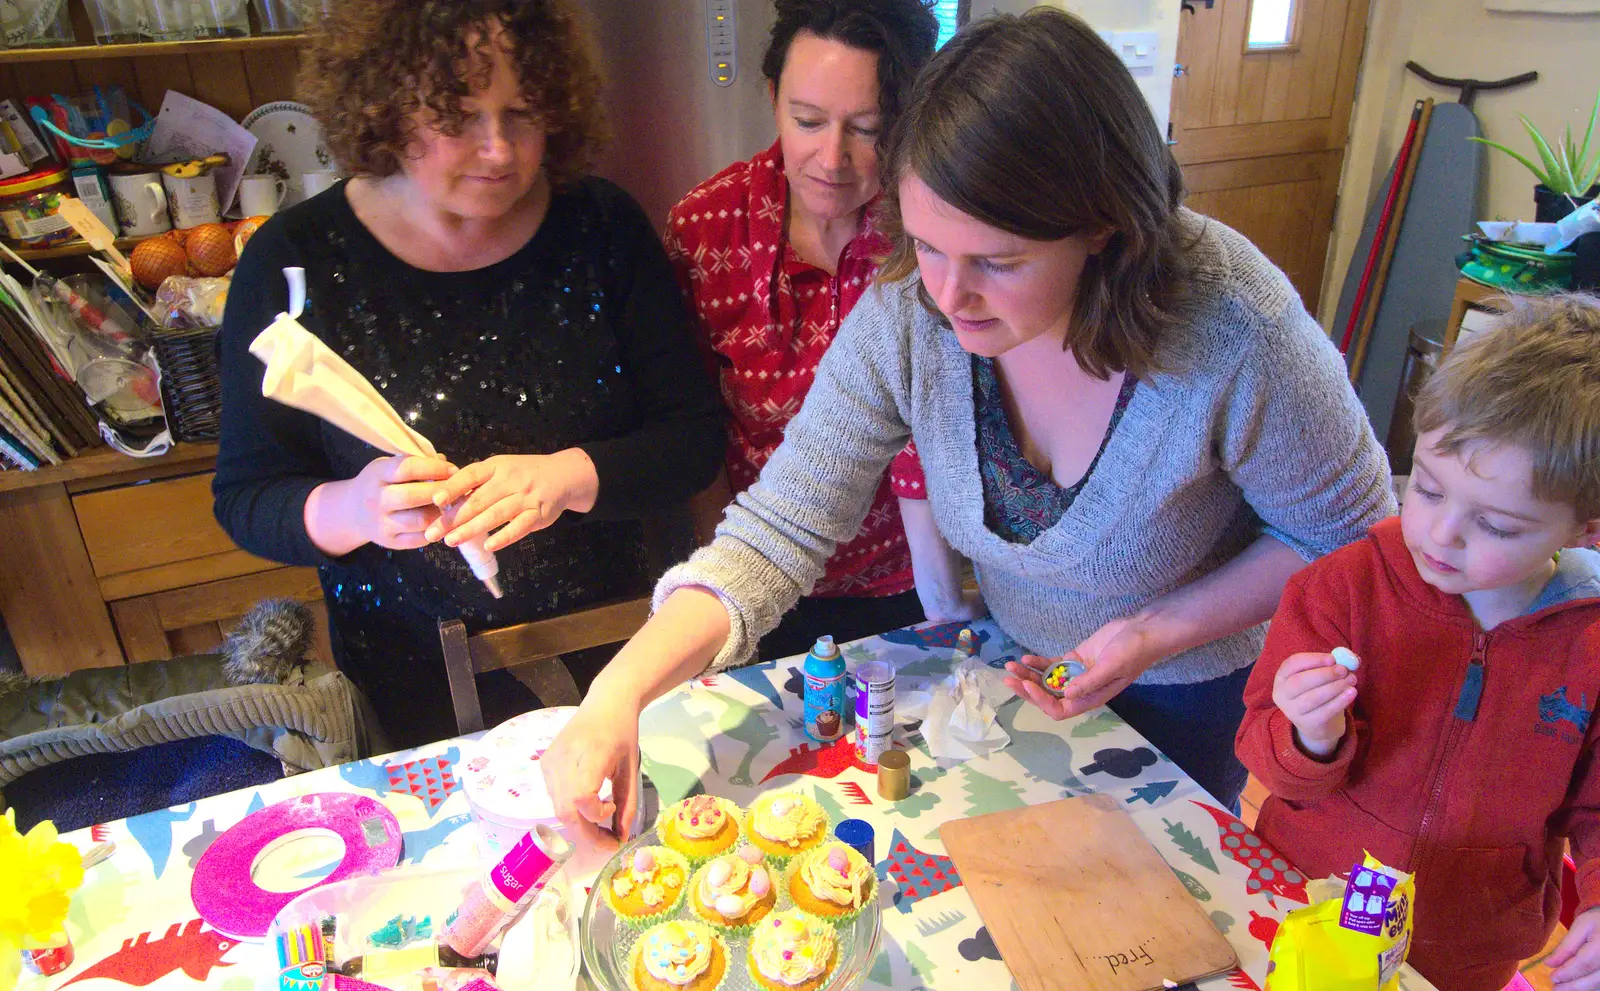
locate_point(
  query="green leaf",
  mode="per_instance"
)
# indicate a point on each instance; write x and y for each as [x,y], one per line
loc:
[1552,167]
[1516,155]
[1590,169]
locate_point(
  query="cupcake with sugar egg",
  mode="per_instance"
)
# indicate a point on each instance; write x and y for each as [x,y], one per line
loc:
[734,891]
[832,882]
[647,887]
[784,824]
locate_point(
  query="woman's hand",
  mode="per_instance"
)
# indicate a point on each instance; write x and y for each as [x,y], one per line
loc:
[390,503]
[601,741]
[1113,657]
[519,493]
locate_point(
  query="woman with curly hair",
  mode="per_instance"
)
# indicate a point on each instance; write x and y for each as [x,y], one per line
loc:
[517,312]
[801,212]
[1127,419]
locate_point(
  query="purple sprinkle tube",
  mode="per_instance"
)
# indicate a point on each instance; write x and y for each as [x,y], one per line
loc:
[505,889]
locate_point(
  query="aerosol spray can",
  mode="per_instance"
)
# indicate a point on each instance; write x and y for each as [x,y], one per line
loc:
[874,710]
[824,698]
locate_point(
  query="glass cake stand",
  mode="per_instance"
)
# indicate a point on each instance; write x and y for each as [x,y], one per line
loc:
[607,940]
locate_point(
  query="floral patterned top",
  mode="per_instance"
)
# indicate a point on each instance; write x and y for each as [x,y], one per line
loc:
[1020,501]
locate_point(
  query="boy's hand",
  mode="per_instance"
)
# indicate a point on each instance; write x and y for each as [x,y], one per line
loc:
[1314,693]
[1575,963]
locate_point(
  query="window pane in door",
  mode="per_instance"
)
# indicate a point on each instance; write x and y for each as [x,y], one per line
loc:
[948,12]
[1271,23]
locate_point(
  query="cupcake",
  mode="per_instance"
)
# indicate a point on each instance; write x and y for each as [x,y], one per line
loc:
[784,824]
[791,951]
[832,882]
[649,887]
[678,956]
[734,891]
[700,827]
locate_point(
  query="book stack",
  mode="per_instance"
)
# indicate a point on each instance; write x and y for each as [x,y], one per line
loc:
[43,415]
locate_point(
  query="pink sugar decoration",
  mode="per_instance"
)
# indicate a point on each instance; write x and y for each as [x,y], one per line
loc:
[750,855]
[644,860]
[838,859]
[788,954]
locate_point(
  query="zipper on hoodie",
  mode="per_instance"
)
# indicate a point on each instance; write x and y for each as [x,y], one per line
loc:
[1466,710]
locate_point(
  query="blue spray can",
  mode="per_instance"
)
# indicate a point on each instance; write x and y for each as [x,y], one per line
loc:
[825,691]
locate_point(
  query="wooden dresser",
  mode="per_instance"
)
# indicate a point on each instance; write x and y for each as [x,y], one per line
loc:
[110,560]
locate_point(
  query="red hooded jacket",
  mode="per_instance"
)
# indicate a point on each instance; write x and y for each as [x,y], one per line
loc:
[1470,755]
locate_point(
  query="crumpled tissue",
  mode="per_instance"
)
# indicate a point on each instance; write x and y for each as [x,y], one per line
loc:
[957,711]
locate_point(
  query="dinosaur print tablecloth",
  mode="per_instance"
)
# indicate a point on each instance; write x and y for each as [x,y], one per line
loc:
[735,734]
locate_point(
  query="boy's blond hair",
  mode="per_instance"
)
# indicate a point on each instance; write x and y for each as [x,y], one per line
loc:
[1532,380]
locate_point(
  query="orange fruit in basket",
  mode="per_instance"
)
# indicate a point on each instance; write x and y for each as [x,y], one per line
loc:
[210,249]
[156,258]
[243,230]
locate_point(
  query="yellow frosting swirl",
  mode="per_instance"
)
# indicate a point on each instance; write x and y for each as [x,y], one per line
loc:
[676,952]
[725,887]
[846,886]
[789,819]
[652,871]
[792,948]
[700,817]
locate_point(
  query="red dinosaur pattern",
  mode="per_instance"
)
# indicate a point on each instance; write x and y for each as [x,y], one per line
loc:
[855,793]
[1270,872]
[1264,928]
[827,760]
[1240,979]
[143,961]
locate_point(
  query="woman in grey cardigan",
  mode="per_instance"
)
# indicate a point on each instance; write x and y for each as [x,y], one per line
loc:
[1128,421]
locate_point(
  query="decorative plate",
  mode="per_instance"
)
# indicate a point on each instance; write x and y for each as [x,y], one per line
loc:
[288,144]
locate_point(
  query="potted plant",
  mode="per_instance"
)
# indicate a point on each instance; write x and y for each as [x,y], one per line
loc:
[1568,177]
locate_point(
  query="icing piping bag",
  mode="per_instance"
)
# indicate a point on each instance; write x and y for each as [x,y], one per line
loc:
[304,373]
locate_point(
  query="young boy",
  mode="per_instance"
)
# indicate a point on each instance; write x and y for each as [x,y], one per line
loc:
[1463,747]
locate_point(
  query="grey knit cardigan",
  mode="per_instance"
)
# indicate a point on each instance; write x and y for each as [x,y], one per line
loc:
[1249,427]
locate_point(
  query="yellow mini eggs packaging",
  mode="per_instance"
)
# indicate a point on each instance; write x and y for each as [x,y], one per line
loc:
[1353,942]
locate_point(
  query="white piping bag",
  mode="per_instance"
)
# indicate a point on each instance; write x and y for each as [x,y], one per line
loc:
[304,373]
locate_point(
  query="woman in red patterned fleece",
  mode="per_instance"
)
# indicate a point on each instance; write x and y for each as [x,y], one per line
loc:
[773,253]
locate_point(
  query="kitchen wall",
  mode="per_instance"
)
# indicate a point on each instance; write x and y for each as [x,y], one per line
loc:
[1460,38]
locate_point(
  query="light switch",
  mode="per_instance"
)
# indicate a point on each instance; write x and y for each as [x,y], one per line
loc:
[1136,49]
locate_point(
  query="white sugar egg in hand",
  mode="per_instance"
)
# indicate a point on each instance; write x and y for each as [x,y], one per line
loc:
[1345,658]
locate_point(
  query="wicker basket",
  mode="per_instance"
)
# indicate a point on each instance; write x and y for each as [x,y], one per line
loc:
[191,390]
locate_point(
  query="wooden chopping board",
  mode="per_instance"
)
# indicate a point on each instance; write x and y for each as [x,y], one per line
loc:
[1075,897]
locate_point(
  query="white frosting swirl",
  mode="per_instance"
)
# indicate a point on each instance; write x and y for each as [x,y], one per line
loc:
[792,947]
[837,874]
[725,887]
[676,952]
[788,819]
[700,817]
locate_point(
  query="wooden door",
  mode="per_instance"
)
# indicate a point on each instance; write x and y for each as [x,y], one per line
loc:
[1260,129]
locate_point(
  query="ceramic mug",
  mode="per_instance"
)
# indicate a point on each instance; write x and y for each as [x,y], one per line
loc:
[141,203]
[192,200]
[261,195]
[312,183]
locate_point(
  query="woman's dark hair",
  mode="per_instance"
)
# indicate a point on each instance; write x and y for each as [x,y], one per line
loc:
[1033,126]
[901,33]
[372,64]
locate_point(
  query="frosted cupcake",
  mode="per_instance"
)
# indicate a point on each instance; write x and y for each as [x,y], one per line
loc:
[792,951]
[649,887]
[786,823]
[700,827]
[678,956]
[734,891]
[832,882]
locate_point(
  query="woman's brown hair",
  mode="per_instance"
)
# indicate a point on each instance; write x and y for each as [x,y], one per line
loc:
[1033,126]
[372,64]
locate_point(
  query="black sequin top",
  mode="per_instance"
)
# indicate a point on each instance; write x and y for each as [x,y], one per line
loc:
[580,339]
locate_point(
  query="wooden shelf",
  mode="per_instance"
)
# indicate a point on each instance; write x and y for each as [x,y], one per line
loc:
[143,48]
[105,461]
[72,249]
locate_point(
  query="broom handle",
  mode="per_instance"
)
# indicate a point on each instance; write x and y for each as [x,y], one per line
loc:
[1371,317]
[1401,161]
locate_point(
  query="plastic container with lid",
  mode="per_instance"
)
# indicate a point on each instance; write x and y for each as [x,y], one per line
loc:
[504,783]
[30,208]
